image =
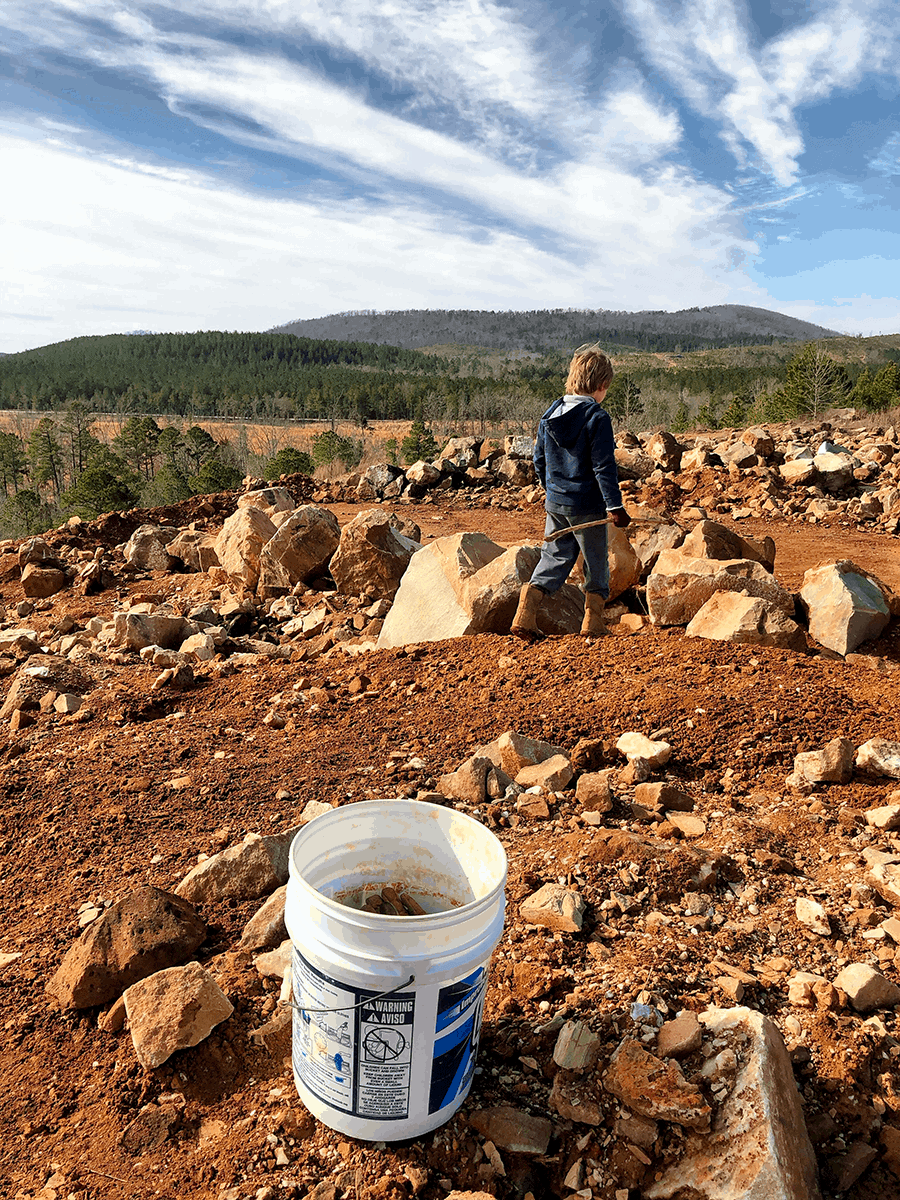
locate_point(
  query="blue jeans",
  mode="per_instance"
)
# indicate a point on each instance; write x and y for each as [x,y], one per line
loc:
[559,556]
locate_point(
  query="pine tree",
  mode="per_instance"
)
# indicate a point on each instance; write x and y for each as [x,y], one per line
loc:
[105,485]
[76,429]
[288,461]
[215,476]
[815,382]
[138,444]
[419,443]
[45,455]
[881,392]
[13,463]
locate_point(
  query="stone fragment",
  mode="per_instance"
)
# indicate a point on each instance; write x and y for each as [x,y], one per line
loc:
[270,499]
[798,471]
[649,541]
[266,928]
[533,808]
[800,988]
[832,764]
[512,751]
[709,539]
[635,745]
[147,547]
[835,471]
[665,450]
[275,964]
[254,867]
[67,703]
[553,774]
[468,782]
[423,474]
[680,1037]
[760,442]
[886,817]
[679,585]
[758,1148]
[173,1010]
[145,932]
[638,1130]
[845,604]
[664,795]
[577,1047]
[654,1088]
[878,756]
[372,556]
[689,824]
[299,550]
[199,646]
[811,914]
[135,630]
[40,582]
[513,1130]
[240,543]
[149,1129]
[845,1169]
[593,792]
[747,620]
[866,988]
[554,907]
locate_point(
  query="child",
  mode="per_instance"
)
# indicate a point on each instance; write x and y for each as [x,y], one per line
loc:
[574,458]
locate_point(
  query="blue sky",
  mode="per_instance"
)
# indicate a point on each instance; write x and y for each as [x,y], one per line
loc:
[221,164]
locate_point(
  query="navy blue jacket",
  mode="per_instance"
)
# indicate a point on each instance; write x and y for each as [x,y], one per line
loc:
[574,456]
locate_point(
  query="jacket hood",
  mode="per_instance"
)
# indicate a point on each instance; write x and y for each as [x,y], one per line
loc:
[565,427]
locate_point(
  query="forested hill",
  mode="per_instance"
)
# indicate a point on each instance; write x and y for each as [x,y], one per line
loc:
[198,372]
[563,328]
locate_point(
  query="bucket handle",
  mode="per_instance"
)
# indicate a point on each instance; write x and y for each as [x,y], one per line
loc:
[351,1007]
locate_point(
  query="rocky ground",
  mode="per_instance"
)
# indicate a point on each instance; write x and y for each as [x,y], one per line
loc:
[729,888]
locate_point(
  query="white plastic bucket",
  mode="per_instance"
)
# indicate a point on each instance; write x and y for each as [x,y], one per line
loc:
[376,1067]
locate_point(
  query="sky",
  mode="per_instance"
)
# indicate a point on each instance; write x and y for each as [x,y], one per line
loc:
[227,164]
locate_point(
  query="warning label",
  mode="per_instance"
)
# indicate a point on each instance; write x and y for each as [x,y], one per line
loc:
[357,1059]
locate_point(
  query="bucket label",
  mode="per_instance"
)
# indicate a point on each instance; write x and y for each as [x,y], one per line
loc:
[357,1060]
[457,1028]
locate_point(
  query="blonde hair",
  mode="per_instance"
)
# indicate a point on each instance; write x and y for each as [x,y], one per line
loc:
[589,371]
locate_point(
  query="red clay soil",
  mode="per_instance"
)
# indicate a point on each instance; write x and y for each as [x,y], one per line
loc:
[90,812]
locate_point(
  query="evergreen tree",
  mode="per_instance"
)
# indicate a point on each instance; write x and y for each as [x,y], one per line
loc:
[138,444]
[215,476]
[815,382]
[623,400]
[198,445]
[288,461]
[25,514]
[45,455]
[13,463]
[329,446]
[105,485]
[881,392]
[76,429]
[168,486]
[419,443]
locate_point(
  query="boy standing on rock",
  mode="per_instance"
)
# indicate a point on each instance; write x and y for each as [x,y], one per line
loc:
[574,456]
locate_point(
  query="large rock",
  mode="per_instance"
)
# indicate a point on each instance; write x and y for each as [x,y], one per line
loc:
[271,500]
[512,751]
[625,565]
[299,549]
[423,474]
[654,1088]
[266,928]
[649,541]
[680,585]
[372,556]
[835,470]
[144,933]
[665,450]
[798,471]
[39,582]
[147,548]
[736,617]
[35,550]
[43,673]
[846,605]
[832,764]
[866,988]
[513,1130]
[758,1148]
[195,549]
[243,872]
[878,756]
[135,630]
[173,1010]
[709,539]
[240,542]
[465,584]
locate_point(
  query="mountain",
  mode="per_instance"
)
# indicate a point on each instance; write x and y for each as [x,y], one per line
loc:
[561,328]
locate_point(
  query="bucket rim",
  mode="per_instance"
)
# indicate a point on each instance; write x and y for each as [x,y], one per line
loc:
[384,920]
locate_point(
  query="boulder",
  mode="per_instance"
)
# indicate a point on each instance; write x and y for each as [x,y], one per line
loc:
[750,620]
[866,988]
[144,933]
[680,584]
[35,550]
[758,1148]
[846,605]
[468,782]
[554,907]
[39,582]
[135,630]
[423,474]
[254,867]
[461,452]
[173,1010]
[194,549]
[649,541]
[518,445]
[665,450]
[270,499]
[551,775]
[709,539]
[518,472]
[832,764]
[40,674]
[240,542]
[798,471]
[625,566]
[633,463]
[266,928]
[835,471]
[877,756]
[147,548]
[299,549]
[372,556]
[512,751]
[760,442]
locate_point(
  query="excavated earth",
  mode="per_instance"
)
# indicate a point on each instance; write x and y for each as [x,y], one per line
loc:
[93,808]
